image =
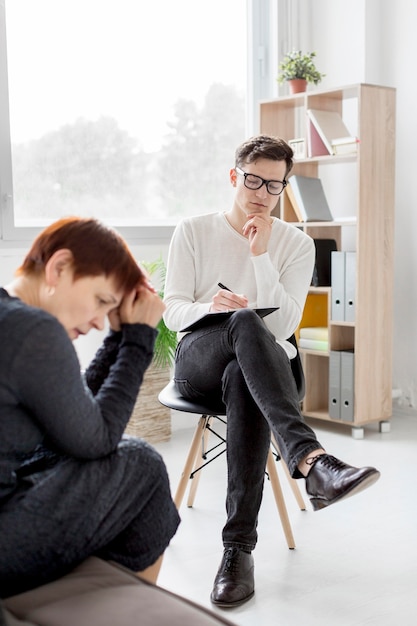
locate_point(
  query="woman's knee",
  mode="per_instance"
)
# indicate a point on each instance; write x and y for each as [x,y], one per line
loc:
[141,457]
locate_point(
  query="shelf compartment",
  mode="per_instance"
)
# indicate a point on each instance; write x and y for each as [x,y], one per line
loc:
[316,371]
[316,310]
[342,336]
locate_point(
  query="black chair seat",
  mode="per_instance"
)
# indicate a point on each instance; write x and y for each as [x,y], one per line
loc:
[170,397]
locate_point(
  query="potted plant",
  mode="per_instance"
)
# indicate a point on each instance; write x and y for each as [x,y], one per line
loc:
[166,341]
[298,69]
[150,419]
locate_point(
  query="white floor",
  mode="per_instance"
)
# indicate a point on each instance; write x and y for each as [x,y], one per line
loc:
[355,563]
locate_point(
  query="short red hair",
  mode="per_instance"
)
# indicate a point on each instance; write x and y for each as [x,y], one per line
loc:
[96,249]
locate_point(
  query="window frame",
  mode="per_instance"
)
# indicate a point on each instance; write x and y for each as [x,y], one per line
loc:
[262,22]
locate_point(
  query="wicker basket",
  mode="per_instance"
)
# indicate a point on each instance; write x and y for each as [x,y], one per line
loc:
[150,420]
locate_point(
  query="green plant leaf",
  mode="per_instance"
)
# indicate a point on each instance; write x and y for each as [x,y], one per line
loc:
[297,64]
[166,340]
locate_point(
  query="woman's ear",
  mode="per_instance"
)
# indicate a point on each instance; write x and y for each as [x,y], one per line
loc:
[60,261]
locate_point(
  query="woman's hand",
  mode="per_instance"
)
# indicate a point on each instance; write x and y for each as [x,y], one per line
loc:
[226,300]
[142,306]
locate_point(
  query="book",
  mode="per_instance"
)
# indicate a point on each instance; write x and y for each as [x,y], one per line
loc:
[290,198]
[313,344]
[323,264]
[309,198]
[315,145]
[345,145]
[299,148]
[330,128]
[218,316]
[314,332]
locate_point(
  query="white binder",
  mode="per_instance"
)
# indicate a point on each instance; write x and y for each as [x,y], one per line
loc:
[350,286]
[338,286]
[334,384]
[347,383]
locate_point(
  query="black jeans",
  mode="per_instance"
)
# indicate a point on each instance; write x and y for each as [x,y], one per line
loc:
[239,362]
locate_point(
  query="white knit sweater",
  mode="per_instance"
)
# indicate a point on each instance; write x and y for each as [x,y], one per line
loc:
[206,250]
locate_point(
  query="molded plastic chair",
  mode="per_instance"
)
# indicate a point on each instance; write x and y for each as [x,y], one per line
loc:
[171,398]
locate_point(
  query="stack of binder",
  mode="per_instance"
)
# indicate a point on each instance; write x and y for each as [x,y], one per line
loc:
[341,384]
[343,282]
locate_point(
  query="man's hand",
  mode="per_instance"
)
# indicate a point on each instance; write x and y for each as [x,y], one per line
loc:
[225,300]
[258,230]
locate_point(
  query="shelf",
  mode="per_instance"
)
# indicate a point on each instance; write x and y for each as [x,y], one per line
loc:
[319,290]
[327,159]
[323,415]
[365,181]
[332,224]
[324,353]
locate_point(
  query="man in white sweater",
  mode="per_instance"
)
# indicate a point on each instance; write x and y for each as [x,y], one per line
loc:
[244,360]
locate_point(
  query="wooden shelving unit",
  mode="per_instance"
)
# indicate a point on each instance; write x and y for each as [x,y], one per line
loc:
[370,335]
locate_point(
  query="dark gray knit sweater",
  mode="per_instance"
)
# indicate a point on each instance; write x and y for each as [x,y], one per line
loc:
[45,402]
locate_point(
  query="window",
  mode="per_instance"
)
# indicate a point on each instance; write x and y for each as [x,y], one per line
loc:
[125,111]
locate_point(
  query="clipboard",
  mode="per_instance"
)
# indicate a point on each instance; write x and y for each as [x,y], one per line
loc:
[219,316]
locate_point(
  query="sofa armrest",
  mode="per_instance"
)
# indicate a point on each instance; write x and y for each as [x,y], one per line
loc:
[99,593]
[7,619]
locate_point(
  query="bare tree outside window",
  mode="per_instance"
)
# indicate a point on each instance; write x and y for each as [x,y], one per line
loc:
[121,111]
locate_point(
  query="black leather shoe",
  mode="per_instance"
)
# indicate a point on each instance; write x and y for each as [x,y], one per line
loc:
[234,583]
[330,480]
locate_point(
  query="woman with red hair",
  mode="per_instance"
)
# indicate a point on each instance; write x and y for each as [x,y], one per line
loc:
[71,485]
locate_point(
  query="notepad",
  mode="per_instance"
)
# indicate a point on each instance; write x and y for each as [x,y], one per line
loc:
[219,316]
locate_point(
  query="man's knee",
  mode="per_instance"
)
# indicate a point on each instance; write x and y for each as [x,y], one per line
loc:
[248,319]
[251,326]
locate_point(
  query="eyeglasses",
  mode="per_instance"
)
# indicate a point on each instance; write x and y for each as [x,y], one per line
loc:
[274,187]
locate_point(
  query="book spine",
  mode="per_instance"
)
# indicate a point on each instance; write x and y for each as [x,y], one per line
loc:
[315,144]
[320,333]
[322,144]
[313,344]
[345,148]
[294,204]
[297,200]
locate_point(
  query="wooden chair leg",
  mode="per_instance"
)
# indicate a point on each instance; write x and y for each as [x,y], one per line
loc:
[199,459]
[193,451]
[294,487]
[292,482]
[279,499]
[200,437]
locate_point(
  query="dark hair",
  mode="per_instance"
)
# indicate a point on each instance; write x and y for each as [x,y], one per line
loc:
[96,249]
[265,147]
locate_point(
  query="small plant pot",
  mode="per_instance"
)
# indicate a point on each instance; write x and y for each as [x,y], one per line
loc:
[297,85]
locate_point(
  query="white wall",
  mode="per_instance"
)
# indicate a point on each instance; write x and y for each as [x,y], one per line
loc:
[374,41]
[370,41]
[398,53]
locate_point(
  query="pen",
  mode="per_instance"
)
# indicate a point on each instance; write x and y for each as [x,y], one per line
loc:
[223,287]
